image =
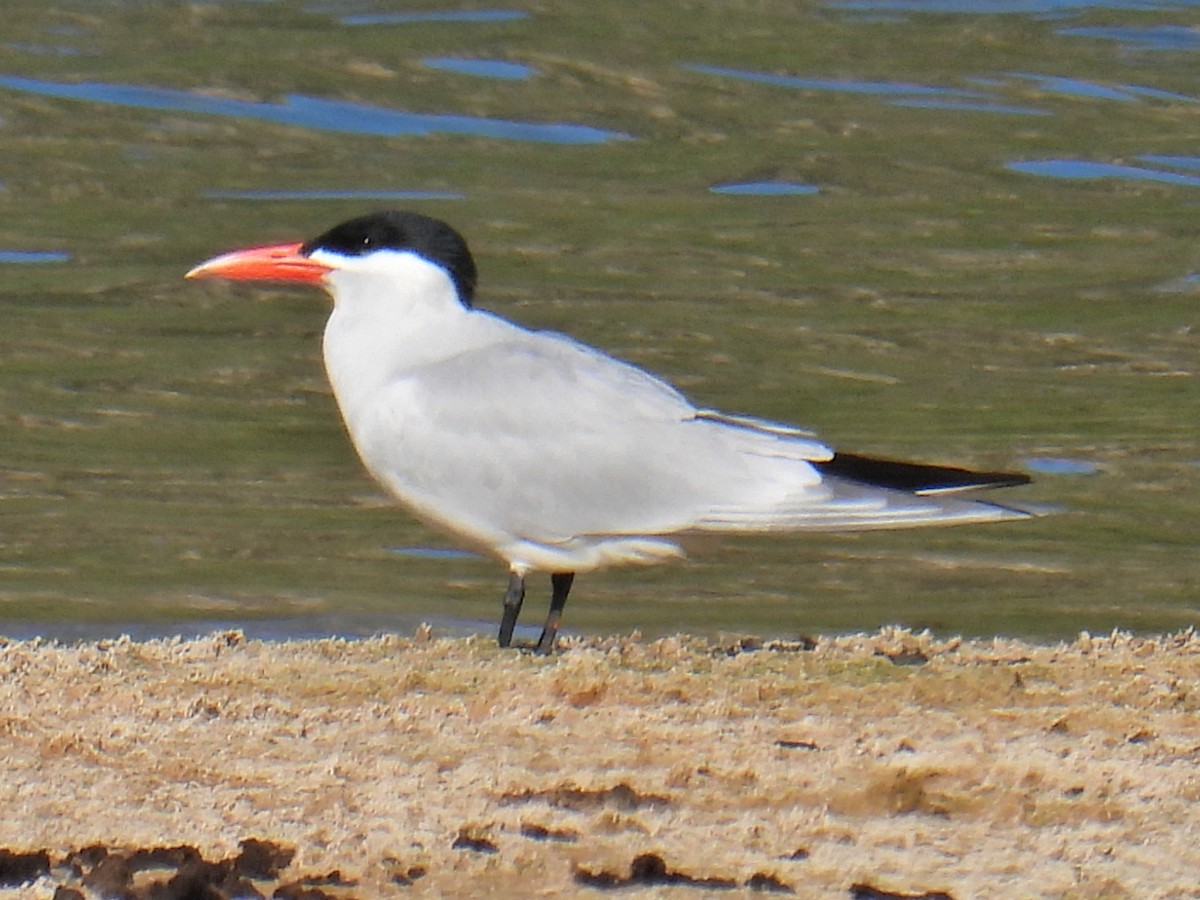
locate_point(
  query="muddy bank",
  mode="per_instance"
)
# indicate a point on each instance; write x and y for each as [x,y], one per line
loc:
[880,765]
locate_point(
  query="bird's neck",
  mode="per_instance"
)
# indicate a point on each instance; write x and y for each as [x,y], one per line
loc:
[383,329]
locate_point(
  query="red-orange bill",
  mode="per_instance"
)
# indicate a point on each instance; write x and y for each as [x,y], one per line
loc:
[279,262]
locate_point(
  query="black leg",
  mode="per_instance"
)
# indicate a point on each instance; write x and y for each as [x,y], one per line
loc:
[513,598]
[560,582]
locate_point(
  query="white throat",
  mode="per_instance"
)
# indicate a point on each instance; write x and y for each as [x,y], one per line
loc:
[393,313]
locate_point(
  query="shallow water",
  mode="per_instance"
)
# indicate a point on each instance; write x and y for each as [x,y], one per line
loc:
[1075,169]
[967,238]
[1167,37]
[481,68]
[765,188]
[312,112]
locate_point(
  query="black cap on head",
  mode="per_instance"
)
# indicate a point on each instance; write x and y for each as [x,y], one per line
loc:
[430,238]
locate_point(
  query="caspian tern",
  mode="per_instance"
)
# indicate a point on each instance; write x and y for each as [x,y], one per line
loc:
[548,453]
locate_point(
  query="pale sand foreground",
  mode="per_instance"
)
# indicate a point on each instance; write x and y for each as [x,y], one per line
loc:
[446,767]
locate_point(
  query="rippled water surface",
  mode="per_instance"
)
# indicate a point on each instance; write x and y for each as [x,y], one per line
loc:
[949,230]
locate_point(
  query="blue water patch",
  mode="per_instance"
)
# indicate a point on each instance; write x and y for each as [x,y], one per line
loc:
[1052,465]
[1083,169]
[33,257]
[1176,162]
[994,7]
[469,15]
[332,195]
[433,552]
[312,112]
[1152,37]
[1074,87]
[766,188]
[1156,93]
[481,68]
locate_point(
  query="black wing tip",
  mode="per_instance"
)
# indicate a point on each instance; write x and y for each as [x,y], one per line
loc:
[914,478]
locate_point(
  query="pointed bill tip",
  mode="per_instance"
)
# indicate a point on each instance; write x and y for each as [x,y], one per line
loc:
[279,262]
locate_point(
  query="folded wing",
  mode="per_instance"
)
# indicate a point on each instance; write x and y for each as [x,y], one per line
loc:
[545,439]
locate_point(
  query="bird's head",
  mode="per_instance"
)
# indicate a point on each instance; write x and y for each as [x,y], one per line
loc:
[378,244]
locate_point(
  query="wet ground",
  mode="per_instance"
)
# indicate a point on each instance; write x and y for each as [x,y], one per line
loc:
[884,765]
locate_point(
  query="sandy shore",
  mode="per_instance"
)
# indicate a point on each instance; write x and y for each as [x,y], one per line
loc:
[868,766]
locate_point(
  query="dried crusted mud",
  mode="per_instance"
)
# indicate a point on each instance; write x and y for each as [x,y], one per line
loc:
[870,766]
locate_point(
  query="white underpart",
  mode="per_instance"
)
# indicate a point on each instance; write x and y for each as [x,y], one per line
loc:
[553,455]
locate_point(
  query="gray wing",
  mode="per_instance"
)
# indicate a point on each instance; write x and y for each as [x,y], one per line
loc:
[548,439]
